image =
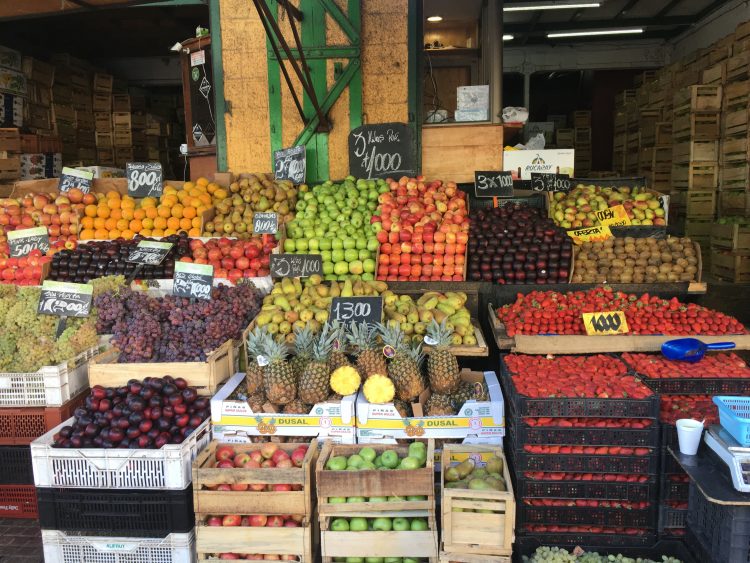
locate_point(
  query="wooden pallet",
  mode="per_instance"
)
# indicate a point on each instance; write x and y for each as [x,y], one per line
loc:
[697,98]
[476,522]
[695,175]
[730,266]
[733,237]
[697,127]
[695,151]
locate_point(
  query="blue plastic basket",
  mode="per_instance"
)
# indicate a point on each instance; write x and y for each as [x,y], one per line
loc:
[734,413]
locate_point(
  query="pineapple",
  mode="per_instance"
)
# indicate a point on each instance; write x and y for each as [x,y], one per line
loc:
[468,391]
[378,389]
[314,383]
[370,360]
[442,366]
[303,343]
[345,380]
[257,401]
[439,405]
[280,383]
[404,368]
[337,357]
[403,408]
[296,407]
[256,341]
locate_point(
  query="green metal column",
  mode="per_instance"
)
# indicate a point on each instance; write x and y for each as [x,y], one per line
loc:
[218,70]
[415,74]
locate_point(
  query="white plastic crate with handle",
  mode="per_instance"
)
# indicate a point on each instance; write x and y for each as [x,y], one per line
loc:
[50,386]
[167,468]
[60,547]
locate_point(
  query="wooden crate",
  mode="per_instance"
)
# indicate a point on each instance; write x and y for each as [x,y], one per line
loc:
[446,557]
[738,67]
[372,483]
[695,151]
[697,98]
[10,168]
[715,75]
[214,502]
[662,159]
[10,140]
[123,155]
[582,136]
[731,237]
[736,122]
[212,540]
[736,95]
[103,83]
[102,103]
[697,127]
[85,120]
[699,231]
[660,180]
[663,135]
[734,175]
[730,266]
[478,533]
[700,204]
[103,122]
[695,175]
[734,202]
[121,103]
[646,158]
[735,150]
[103,140]
[207,376]
[122,138]
[564,138]
[122,121]
[581,119]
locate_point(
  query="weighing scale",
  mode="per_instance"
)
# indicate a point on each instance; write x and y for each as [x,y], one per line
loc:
[735,456]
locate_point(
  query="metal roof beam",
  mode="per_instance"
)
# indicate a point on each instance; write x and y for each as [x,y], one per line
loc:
[583,25]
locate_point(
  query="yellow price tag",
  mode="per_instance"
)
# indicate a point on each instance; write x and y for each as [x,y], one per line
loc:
[590,234]
[607,322]
[615,216]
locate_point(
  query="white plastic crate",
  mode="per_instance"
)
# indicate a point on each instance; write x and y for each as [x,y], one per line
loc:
[51,386]
[60,547]
[168,468]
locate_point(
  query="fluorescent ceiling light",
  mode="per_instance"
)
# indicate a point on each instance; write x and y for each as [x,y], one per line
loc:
[507,38]
[435,19]
[530,7]
[589,33]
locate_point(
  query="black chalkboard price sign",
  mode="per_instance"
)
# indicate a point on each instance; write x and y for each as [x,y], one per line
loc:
[149,253]
[381,150]
[24,241]
[63,299]
[356,310]
[295,265]
[550,182]
[493,184]
[73,178]
[193,280]
[290,164]
[145,179]
[265,223]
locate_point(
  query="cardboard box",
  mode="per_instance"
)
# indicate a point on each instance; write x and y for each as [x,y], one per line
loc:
[235,422]
[10,58]
[38,166]
[37,71]
[104,171]
[554,161]
[476,421]
[12,82]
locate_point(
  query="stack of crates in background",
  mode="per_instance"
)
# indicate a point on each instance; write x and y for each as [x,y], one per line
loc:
[586,469]
[63,113]
[12,103]
[659,173]
[582,142]
[38,109]
[730,249]
[79,74]
[623,103]
[41,157]
[10,149]
[102,104]
[17,492]
[647,122]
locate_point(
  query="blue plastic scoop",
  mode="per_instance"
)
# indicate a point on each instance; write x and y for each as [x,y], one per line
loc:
[690,349]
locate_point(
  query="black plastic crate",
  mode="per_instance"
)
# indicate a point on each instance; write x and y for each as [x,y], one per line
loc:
[547,435]
[576,407]
[595,490]
[670,518]
[586,516]
[697,548]
[571,540]
[672,490]
[668,436]
[669,465]
[585,463]
[123,513]
[723,530]
[15,466]
[527,544]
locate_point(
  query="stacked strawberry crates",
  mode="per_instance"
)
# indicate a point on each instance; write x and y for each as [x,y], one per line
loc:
[685,391]
[585,469]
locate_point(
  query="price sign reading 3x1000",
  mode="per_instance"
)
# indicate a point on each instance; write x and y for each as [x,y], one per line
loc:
[493,184]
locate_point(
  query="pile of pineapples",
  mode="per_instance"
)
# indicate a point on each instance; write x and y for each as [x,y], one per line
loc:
[391,364]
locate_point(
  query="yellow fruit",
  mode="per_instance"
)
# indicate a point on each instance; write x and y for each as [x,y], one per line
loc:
[345,380]
[379,389]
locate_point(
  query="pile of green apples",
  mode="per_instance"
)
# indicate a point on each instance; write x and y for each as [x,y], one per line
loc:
[380,524]
[368,458]
[334,220]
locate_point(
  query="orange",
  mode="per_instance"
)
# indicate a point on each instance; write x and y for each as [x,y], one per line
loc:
[87,222]
[116,213]
[169,200]
[202,181]
[157,233]
[122,224]
[152,212]
[113,203]
[194,232]
[147,224]
[136,225]
[160,223]
[173,223]
[90,210]
[148,202]
[114,233]
[189,212]
[177,210]
[86,234]
[146,232]
[99,223]
[206,199]
[103,211]
[101,233]
[127,214]
[185,224]
[196,221]
[110,224]
[164,211]
[128,201]
[113,193]
[127,234]
[139,214]
[170,232]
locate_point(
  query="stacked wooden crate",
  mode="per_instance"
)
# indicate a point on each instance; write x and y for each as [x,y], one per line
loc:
[37,112]
[582,140]
[79,73]
[730,251]
[129,122]
[619,146]
[102,104]
[10,147]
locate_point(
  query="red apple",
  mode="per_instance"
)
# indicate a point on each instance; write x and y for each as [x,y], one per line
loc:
[281,487]
[275,522]
[285,463]
[255,455]
[268,463]
[213,521]
[291,524]
[258,520]
[231,520]
[278,455]
[229,556]
[224,451]
[224,487]
[239,486]
[225,463]
[241,459]
[268,449]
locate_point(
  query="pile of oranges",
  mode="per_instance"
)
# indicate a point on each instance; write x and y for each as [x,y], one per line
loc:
[114,215]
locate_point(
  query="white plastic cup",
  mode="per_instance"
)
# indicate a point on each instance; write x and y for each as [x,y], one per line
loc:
[689,433]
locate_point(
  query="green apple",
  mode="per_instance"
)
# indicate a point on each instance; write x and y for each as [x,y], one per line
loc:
[350,255]
[363,255]
[289,245]
[368,276]
[325,243]
[418,450]
[396,498]
[378,499]
[314,244]
[337,255]
[326,255]
[354,560]
[336,500]
[373,560]
[336,463]
[368,453]
[400,524]
[356,499]
[416,497]
[349,243]
[358,524]
[337,244]
[340,525]
[367,465]
[392,560]
[410,560]
[389,458]
[419,525]
[301,244]
[410,463]
[327,268]
[354,460]
[341,268]
[378,461]
[355,267]
[382,524]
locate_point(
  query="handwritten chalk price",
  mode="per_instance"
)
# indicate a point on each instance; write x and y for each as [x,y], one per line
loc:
[24,241]
[149,253]
[265,223]
[295,265]
[144,179]
[550,182]
[62,299]
[290,164]
[193,280]
[356,309]
[73,178]
[608,322]
[493,184]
